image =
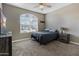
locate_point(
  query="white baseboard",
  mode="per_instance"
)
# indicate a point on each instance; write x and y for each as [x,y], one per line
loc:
[74,42]
[20,40]
[29,38]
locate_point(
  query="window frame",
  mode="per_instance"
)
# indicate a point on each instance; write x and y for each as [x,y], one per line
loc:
[29,26]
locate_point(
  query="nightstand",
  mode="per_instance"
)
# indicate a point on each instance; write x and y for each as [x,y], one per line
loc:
[64,37]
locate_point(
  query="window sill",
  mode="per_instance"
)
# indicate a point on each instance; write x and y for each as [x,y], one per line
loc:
[28,31]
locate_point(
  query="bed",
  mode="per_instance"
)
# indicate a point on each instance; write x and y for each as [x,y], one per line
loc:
[45,36]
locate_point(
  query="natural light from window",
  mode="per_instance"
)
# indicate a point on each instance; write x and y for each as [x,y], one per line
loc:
[28,23]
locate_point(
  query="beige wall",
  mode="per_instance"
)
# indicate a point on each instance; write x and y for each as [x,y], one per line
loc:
[0,19]
[0,16]
[65,17]
[0,5]
[13,20]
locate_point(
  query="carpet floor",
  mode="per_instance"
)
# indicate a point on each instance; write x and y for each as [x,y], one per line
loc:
[29,47]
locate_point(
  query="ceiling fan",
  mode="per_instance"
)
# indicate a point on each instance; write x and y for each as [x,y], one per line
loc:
[42,6]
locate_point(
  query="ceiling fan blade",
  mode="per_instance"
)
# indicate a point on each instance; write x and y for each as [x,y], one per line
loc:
[49,6]
[42,6]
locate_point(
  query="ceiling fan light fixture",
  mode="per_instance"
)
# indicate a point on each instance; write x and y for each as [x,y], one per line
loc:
[41,6]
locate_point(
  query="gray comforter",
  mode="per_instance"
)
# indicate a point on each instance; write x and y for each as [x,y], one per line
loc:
[44,37]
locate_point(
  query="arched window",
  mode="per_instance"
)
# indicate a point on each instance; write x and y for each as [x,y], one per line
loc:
[28,23]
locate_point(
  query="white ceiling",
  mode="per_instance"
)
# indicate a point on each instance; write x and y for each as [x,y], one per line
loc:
[31,6]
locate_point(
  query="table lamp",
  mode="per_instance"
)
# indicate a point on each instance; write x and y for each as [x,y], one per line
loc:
[3,24]
[64,29]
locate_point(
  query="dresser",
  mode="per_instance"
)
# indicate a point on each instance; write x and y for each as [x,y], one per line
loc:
[5,44]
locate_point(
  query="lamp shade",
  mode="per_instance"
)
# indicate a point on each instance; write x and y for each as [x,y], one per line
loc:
[64,29]
[3,20]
